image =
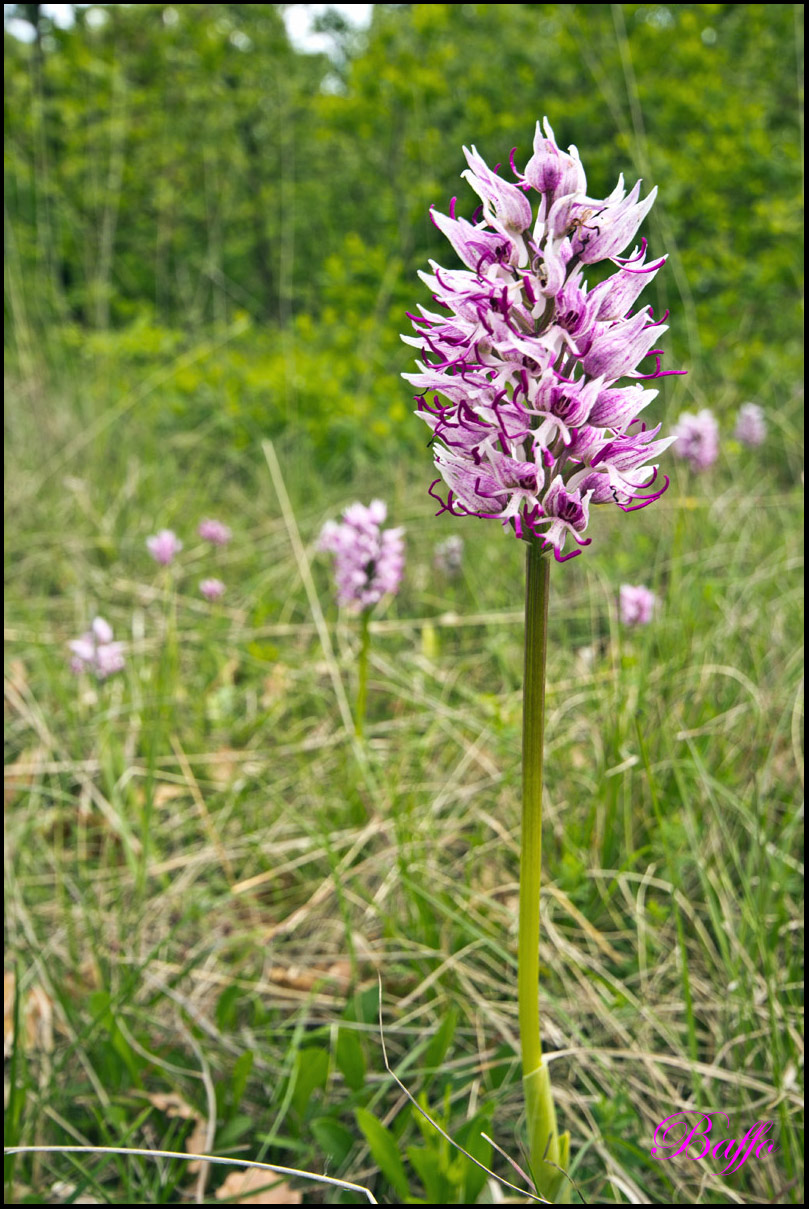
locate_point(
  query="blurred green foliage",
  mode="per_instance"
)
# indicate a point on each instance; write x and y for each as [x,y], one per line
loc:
[177,170]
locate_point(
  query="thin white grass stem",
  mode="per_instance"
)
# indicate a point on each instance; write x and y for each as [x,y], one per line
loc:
[210,1123]
[317,612]
[298,550]
[522,1191]
[200,1158]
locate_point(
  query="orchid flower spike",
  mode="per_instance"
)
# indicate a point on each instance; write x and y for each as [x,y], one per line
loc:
[531,382]
[369,560]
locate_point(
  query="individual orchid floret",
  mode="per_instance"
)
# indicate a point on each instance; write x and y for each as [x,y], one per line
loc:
[637,604]
[109,659]
[697,439]
[102,631]
[448,556]
[603,230]
[751,427]
[552,172]
[618,294]
[505,206]
[616,348]
[525,372]
[84,653]
[475,247]
[164,546]
[96,652]
[568,514]
[212,589]
[214,532]
[369,560]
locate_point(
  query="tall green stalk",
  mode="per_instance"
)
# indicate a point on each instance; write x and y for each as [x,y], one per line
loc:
[362,673]
[163,717]
[547,1151]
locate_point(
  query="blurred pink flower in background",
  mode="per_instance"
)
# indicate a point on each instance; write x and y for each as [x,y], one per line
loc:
[751,427]
[163,546]
[697,439]
[96,652]
[637,604]
[369,560]
[448,556]
[214,532]
[212,589]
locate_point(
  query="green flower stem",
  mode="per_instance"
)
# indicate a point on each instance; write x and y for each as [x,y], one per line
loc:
[362,673]
[543,1137]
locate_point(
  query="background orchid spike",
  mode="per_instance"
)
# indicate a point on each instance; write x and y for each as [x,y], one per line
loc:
[697,438]
[214,532]
[369,560]
[521,364]
[212,589]
[448,556]
[163,546]
[96,652]
[637,604]
[751,427]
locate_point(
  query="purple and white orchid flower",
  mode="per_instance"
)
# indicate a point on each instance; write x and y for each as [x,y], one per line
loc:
[522,371]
